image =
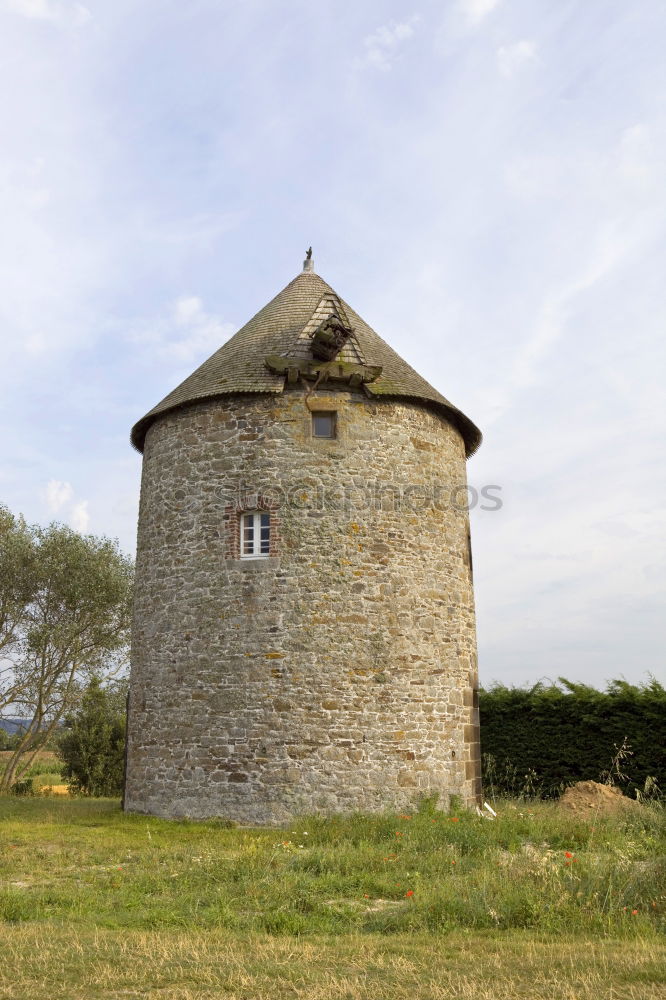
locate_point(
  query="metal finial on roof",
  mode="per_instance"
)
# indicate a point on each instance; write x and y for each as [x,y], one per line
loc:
[308,263]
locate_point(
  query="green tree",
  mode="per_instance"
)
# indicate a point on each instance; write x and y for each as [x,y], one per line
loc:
[93,744]
[18,583]
[65,606]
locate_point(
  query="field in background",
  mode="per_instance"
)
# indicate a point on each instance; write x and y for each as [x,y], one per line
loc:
[534,904]
[44,775]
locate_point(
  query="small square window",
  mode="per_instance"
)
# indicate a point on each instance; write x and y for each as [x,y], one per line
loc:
[323,424]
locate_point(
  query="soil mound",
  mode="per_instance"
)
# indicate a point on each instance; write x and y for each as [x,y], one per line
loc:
[586,796]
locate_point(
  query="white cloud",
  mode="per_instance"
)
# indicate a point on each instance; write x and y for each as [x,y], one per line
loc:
[61,494]
[476,10]
[612,202]
[188,334]
[513,58]
[79,518]
[201,332]
[614,243]
[381,47]
[188,309]
[58,494]
[640,163]
[49,10]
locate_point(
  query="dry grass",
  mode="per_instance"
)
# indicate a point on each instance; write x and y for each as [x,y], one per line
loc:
[46,962]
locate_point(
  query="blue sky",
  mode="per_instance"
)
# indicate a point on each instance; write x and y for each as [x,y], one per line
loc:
[483,180]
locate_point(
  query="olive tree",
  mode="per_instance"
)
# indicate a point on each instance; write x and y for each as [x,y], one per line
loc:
[17,586]
[65,602]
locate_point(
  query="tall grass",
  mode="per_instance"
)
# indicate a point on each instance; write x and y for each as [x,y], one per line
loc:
[534,867]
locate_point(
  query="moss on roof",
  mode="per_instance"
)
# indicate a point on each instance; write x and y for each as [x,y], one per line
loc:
[239,366]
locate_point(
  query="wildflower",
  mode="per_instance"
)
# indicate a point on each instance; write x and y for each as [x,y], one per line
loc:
[410,892]
[654,906]
[454,819]
[568,854]
[634,912]
[366,895]
[398,833]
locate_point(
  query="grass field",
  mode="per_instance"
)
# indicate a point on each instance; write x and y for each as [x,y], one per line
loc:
[95,903]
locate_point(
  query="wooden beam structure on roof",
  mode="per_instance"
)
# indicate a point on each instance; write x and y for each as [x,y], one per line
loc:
[347,372]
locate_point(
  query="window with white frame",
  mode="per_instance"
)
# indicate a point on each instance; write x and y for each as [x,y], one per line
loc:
[255,535]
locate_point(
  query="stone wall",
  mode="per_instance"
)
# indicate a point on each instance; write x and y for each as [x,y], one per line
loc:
[340,672]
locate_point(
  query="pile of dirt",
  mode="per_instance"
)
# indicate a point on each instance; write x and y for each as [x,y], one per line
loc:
[586,797]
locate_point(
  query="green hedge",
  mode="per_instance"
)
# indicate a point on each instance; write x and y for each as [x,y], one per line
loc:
[538,740]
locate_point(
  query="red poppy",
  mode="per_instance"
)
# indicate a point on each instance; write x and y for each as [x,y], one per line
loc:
[634,912]
[568,854]
[454,819]
[410,892]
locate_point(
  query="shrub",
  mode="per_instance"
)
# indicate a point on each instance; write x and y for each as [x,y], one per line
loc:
[23,787]
[537,740]
[92,747]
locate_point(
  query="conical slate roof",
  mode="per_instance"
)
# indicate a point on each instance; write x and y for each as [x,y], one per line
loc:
[282,328]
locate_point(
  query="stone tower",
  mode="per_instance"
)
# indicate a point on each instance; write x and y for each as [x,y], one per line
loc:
[304,634]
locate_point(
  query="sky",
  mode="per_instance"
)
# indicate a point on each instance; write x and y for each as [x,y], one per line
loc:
[482,180]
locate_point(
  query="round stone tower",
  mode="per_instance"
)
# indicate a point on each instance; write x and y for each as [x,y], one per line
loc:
[304,633]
